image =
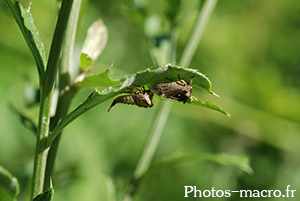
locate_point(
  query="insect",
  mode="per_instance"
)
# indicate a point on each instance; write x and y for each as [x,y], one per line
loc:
[177,91]
[141,98]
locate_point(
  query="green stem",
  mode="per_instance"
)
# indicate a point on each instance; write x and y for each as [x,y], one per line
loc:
[157,128]
[68,66]
[164,109]
[61,111]
[150,148]
[159,119]
[46,100]
[64,101]
[197,33]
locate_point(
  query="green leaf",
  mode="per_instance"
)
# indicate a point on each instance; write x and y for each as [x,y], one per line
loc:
[102,79]
[25,21]
[241,162]
[45,196]
[9,186]
[145,77]
[85,62]
[194,101]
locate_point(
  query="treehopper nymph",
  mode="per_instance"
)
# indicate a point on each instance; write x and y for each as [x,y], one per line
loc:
[177,91]
[141,98]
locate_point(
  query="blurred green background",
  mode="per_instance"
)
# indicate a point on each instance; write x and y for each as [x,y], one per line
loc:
[251,53]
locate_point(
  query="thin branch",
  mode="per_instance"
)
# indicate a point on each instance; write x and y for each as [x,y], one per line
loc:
[197,33]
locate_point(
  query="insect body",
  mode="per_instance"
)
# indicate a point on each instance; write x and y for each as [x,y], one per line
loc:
[177,91]
[141,98]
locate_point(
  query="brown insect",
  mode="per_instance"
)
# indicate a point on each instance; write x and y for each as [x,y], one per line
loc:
[141,98]
[177,91]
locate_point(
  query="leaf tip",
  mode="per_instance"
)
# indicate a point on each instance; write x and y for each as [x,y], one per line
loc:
[229,115]
[213,93]
[250,171]
[51,186]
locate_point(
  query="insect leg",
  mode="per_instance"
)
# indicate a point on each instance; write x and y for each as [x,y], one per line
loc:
[192,80]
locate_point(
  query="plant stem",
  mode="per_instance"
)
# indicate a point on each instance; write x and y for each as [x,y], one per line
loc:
[159,122]
[46,100]
[197,33]
[159,119]
[164,109]
[157,128]
[150,148]
[61,111]
[67,67]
